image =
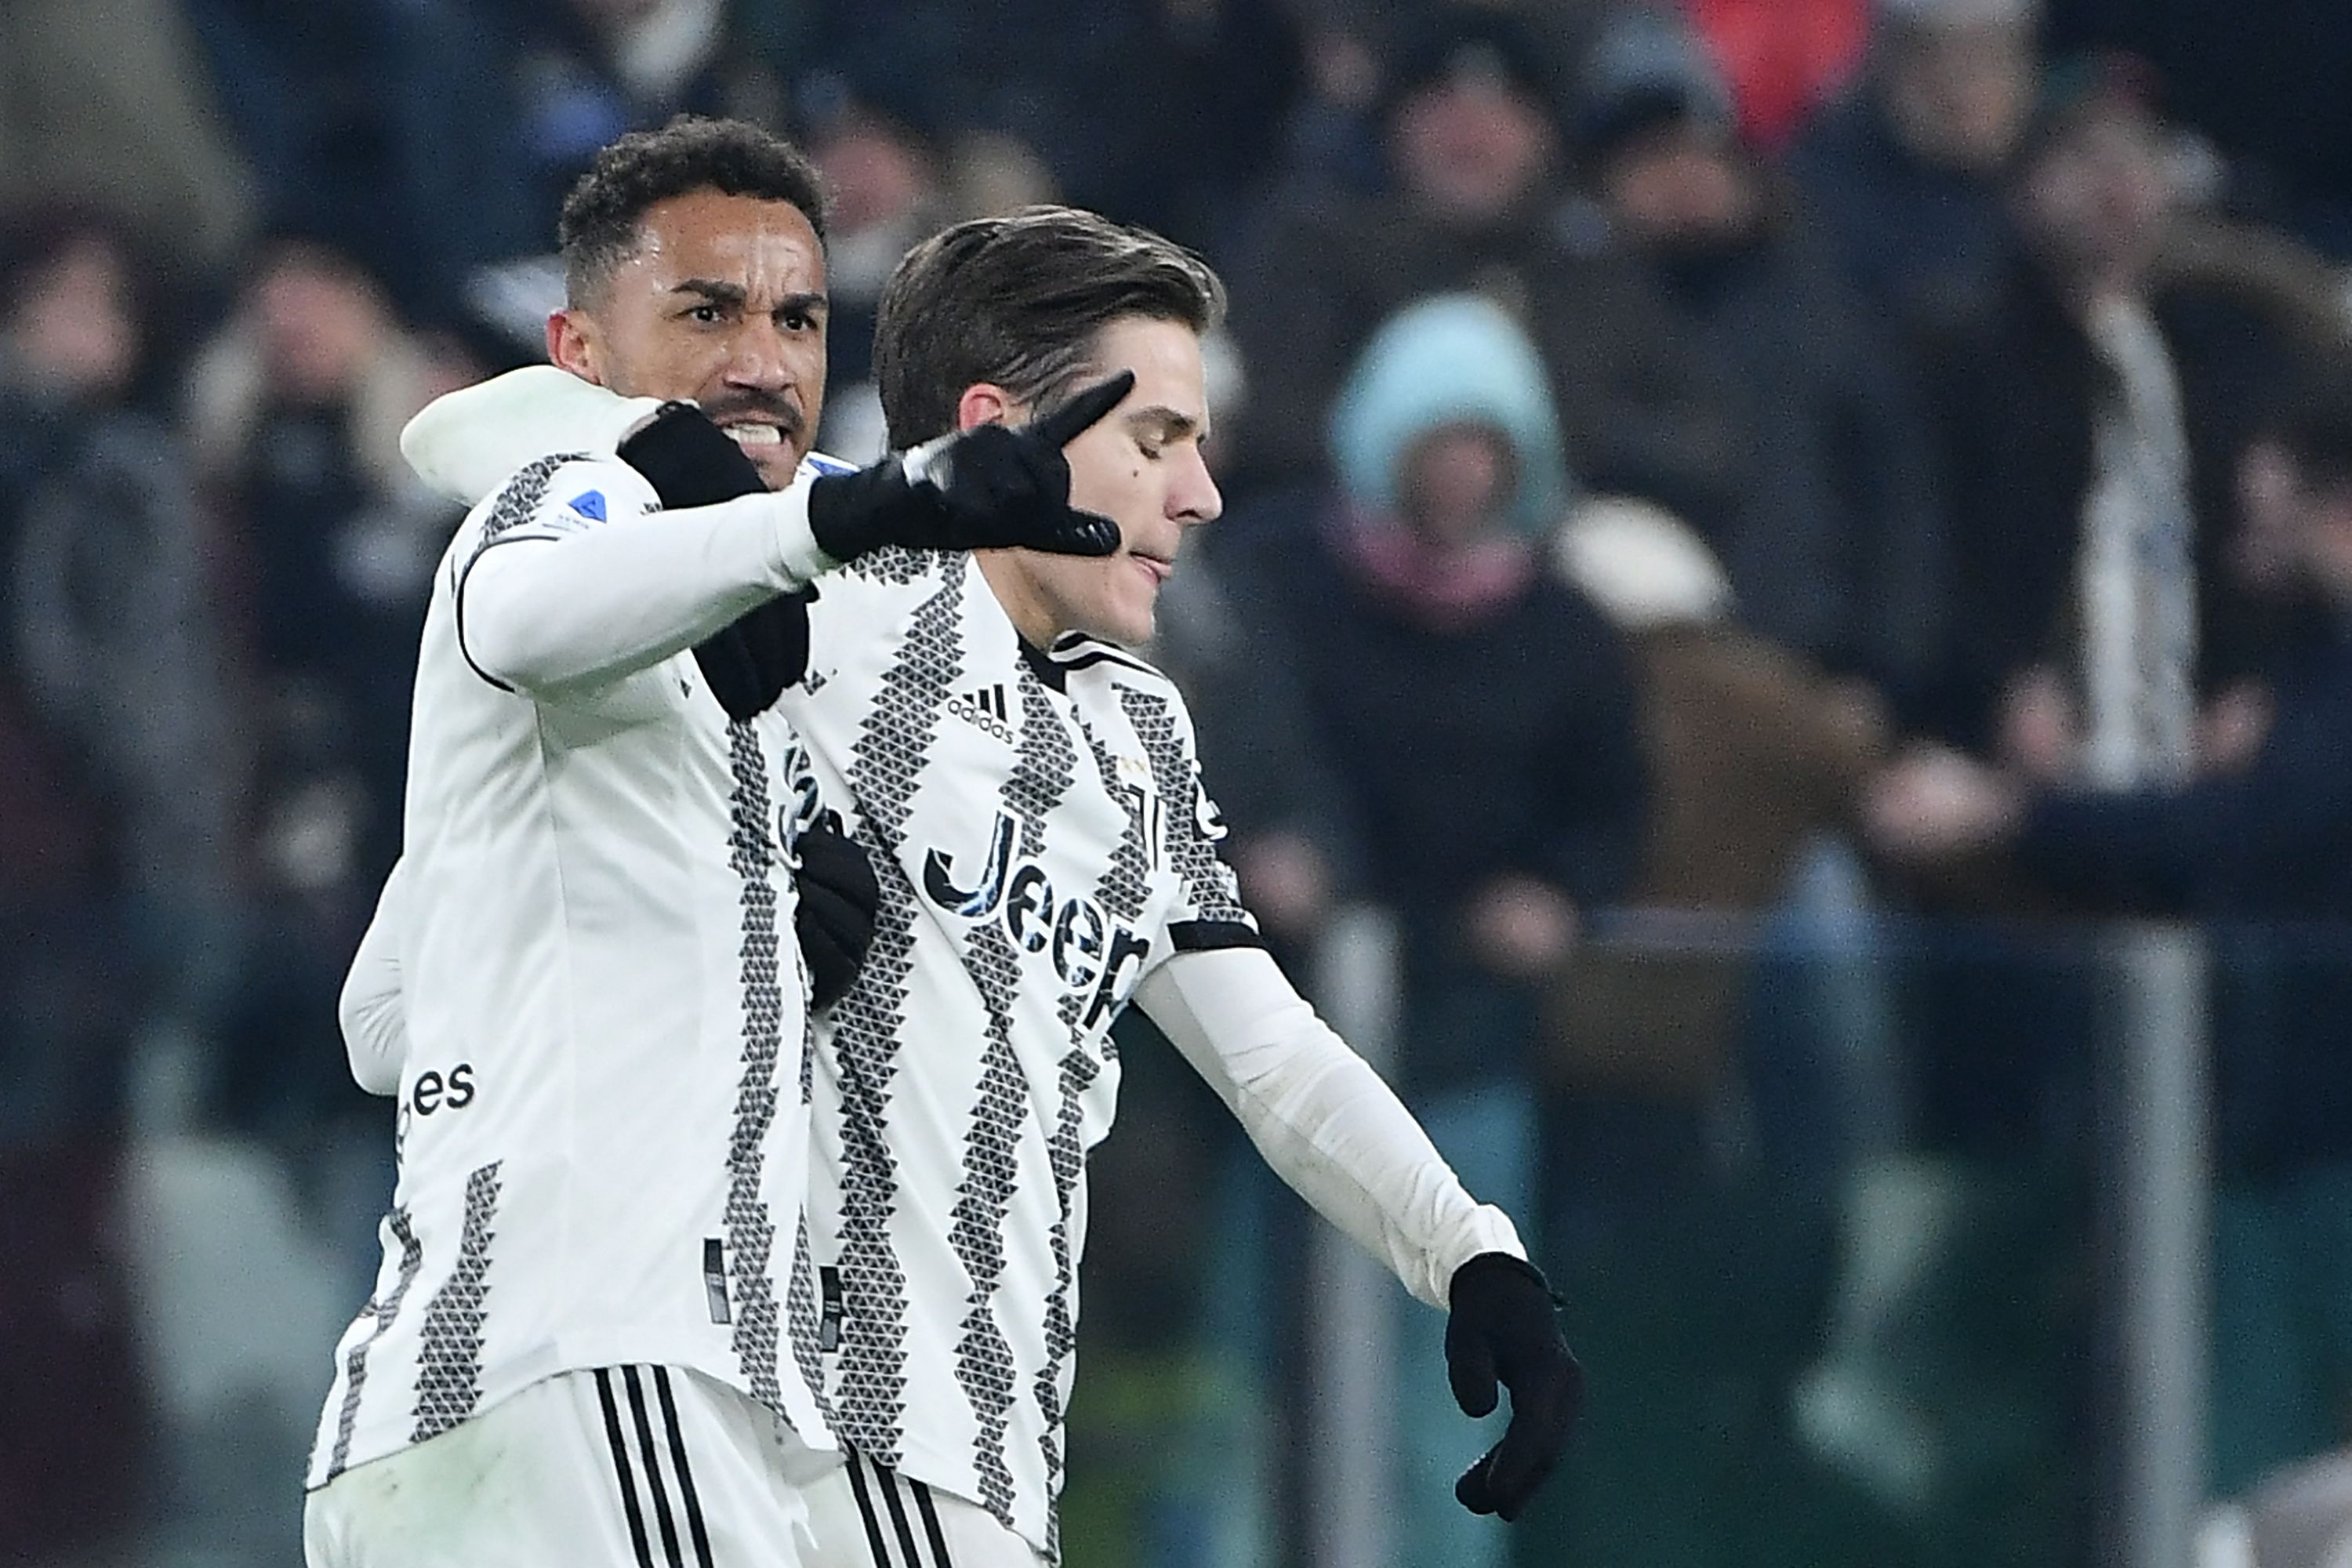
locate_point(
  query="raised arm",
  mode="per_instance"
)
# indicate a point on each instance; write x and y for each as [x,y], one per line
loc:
[563,599]
[626,591]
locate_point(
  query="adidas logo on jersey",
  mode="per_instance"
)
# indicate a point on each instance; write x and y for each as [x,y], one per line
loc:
[986,708]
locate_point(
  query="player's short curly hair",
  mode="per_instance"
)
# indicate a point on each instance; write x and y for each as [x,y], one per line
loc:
[1016,301]
[599,229]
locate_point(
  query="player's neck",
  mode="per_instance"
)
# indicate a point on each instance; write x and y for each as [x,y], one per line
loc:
[1024,606]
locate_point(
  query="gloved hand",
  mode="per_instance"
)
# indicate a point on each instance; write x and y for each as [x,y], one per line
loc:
[835,921]
[1503,1327]
[691,462]
[981,489]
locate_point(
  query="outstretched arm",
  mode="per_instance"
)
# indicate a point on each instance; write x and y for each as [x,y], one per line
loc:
[1323,1118]
[1339,1135]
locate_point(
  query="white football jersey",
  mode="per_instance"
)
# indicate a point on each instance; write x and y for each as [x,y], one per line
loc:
[1041,840]
[603,1104]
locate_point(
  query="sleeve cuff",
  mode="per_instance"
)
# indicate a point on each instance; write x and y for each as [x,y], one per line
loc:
[1489,1230]
[1207,936]
[798,559]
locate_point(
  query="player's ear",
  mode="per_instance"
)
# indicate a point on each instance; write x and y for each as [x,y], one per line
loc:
[572,343]
[985,403]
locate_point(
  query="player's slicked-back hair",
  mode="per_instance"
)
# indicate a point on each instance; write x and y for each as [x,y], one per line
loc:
[1016,301]
[599,229]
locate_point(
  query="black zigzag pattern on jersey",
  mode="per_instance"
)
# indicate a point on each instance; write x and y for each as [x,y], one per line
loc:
[1068,1155]
[985,1364]
[449,1360]
[1041,777]
[516,505]
[1127,884]
[894,563]
[520,499]
[894,747]
[1207,881]
[750,1228]
[383,1309]
[802,1319]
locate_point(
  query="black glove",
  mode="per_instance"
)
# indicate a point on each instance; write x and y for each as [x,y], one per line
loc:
[835,921]
[1503,1326]
[691,462]
[981,489]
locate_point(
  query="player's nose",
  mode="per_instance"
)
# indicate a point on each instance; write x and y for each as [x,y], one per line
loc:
[1193,496]
[760,358]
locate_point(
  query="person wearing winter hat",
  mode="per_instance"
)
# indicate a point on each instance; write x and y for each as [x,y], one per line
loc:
[1473,119]
[1480,714]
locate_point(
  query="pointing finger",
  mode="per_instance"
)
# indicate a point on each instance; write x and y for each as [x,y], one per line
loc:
[1080,413]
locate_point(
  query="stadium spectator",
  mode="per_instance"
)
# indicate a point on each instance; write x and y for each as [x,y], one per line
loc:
[1472,128]
[886,185]
[1782,60]
[111,846]
[106,102]
[2263,83]
[2089,420]
[112,635]
[1825,516]
[895,174]
[1478,716]
[1165,112]
[1752,751]
[2267,835]
[2091,424]
[1907,173]
[584,71]
[294,410]
[429,138]
[352,113]
[1442,664]
[2267,839]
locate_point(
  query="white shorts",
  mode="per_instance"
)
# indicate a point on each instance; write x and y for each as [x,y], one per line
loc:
[863,1516]
[618,1467]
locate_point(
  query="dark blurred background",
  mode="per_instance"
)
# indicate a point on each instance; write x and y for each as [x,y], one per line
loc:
[1779,653]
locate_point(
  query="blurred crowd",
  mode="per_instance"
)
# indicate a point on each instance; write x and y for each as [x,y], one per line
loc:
[1695,475]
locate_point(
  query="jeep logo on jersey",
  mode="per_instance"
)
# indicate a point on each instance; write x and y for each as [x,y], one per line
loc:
[1087,947]
[799,804]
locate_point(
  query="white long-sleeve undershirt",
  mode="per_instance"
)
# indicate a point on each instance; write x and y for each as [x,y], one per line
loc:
[545,608]
[375,1030]
[586,607]
[1322,1117]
